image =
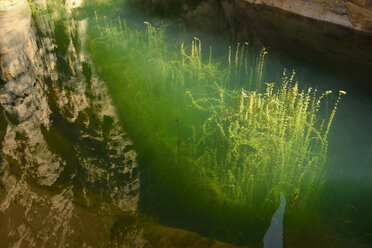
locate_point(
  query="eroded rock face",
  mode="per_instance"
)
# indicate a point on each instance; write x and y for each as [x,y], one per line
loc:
[356,14]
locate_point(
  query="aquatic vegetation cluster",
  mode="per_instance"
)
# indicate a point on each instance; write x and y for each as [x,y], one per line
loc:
[217,123]
[266,143]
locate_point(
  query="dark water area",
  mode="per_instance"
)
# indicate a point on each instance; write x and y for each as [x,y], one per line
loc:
[78,171]
[319,49]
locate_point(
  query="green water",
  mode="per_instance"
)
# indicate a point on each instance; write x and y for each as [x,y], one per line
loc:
[220,120]
[204,168]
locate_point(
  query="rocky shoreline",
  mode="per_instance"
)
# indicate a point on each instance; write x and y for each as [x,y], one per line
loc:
[355,14]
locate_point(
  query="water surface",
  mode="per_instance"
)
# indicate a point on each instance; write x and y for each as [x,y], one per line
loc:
[71,158]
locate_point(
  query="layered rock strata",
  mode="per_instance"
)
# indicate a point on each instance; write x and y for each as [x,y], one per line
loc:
[356,14]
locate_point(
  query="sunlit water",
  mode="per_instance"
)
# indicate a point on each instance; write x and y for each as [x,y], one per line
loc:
[69,163]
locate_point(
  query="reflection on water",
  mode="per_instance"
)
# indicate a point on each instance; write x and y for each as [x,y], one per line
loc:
[274,236]
[68,169]
[59,130]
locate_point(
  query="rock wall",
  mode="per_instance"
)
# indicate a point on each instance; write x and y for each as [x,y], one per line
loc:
[356,14]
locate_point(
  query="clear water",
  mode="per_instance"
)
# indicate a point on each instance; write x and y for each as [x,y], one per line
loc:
[72,140]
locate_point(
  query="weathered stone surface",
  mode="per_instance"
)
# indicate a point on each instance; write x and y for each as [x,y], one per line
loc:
[356,14]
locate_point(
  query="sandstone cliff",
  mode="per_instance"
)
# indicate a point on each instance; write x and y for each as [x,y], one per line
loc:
[356,14]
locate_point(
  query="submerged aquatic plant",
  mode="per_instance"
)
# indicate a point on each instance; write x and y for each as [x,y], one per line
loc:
[266,142]
[249,139]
